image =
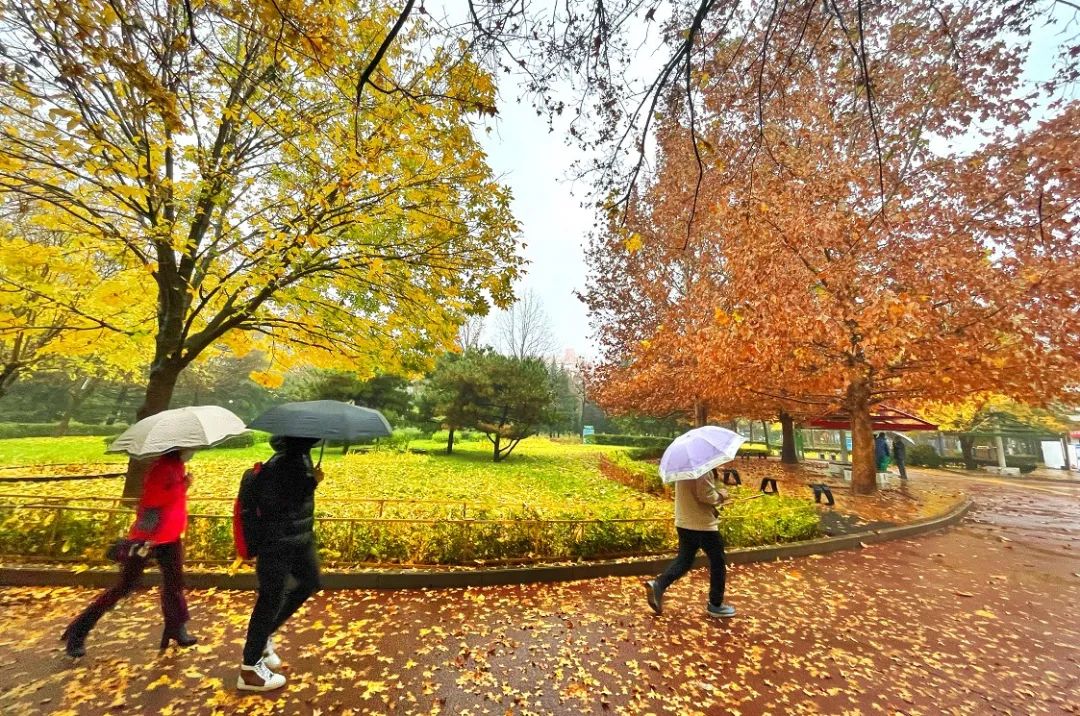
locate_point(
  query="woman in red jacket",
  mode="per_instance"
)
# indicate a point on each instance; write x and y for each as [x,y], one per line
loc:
[159,523]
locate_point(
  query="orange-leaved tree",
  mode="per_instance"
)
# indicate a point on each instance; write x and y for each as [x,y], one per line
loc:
[657,295]
[872,261]
[881,260]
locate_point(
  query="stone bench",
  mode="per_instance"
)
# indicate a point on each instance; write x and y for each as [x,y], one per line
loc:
[1009,471]
[836,467]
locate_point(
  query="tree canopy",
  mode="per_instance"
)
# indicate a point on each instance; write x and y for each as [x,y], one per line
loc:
[506,398]
[810,259]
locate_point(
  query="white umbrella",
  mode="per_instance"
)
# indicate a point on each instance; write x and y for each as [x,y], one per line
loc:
[903,437]
[200,426]
[696,452]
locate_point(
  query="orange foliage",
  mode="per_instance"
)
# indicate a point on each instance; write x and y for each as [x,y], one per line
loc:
[830,260]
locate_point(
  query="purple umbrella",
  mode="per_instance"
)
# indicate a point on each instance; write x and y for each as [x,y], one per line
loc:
[694,453]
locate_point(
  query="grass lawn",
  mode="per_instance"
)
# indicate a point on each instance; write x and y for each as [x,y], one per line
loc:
[548,500]
[45,451]
[556,479]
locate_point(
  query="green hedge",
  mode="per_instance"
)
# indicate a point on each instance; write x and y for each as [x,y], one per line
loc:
[460,436]
[772,519]
[45,533]
[647,453]
[923,456]
[644,476]
[639,441]
[48,430]
[657,443]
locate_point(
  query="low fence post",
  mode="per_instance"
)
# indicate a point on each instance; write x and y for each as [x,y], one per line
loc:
[51,545]
[349,538]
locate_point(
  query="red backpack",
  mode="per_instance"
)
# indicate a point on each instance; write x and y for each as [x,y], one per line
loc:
[246,515]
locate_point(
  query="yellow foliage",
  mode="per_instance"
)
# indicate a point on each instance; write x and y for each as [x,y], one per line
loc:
[335,230]
[63,306]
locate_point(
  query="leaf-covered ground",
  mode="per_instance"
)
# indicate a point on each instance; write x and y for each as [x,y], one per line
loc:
[976,620]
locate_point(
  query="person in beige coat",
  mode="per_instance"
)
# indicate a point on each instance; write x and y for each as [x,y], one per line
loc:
[697,521]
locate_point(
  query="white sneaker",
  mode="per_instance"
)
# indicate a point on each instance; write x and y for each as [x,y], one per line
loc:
[258,678]
[270,657]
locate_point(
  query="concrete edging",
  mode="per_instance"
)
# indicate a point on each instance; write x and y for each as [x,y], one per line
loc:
[33,576]
[1020,479]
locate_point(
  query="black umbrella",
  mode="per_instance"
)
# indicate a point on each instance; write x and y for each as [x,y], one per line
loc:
[325,419]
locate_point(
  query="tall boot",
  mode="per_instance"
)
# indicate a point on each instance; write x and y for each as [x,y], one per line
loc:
[75,636]
[178,634]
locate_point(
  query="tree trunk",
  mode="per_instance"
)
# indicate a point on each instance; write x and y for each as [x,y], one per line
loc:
[701,413]
[768,442]
[9,373]
[159,392]
[119,407]
[863,469]
[967,447]
[788,454]
[76,397]
[450,443]
[495,442]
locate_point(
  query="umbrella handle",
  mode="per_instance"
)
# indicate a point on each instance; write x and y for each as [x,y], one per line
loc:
[322,448]
[743,499]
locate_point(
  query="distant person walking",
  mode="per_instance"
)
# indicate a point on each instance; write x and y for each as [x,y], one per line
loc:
[899,453]
[160,521]
[697,522]
[881,452]
[285,496]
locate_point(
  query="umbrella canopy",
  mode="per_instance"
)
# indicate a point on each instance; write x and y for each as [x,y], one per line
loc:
[694,453]
[199,426]
[326,419]
[903,437]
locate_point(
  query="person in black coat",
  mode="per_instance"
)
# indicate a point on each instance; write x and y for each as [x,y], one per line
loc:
[285,496]
[899,453]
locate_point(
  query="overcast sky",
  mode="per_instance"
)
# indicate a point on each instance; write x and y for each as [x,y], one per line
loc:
[535,164]
[554,226]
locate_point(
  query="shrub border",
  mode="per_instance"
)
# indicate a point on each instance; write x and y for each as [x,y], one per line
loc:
[428,579]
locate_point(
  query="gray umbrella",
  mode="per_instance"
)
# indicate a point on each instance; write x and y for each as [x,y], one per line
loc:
[326,419]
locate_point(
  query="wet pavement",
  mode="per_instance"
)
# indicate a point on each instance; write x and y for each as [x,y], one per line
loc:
[978,619]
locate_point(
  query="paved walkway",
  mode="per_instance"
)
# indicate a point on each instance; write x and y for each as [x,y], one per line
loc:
[980,619]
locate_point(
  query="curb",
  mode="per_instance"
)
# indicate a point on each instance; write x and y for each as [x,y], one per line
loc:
[423,579]
[1020,480]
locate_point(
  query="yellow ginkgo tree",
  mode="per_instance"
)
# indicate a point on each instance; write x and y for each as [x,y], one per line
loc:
[227,151]
[65,307]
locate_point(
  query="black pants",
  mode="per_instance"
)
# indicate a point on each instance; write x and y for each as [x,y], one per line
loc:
[903,469]
[690,541]
[170,558]
[277,601]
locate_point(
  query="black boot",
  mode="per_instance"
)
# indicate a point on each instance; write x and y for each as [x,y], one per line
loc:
[75,636]
[179,635]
